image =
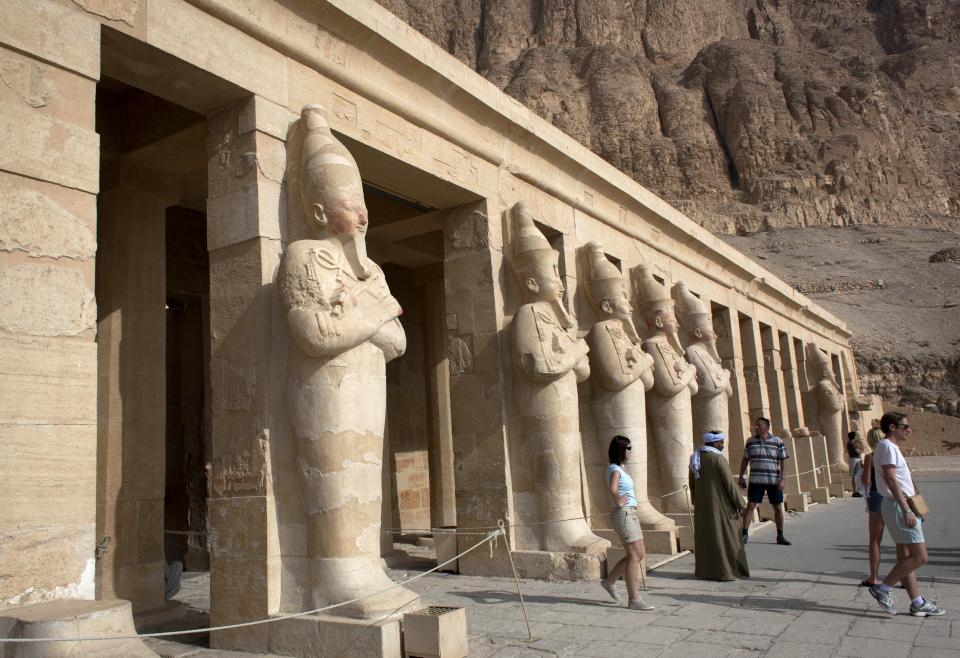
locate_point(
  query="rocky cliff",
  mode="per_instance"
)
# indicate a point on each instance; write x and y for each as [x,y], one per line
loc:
[746,114]
[758,115]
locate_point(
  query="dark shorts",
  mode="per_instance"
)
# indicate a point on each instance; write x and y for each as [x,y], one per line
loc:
[874,500]
[755,493]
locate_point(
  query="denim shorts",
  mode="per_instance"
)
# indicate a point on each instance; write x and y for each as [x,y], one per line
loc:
[755,493]
[874,499]
[626,523]
[894,519]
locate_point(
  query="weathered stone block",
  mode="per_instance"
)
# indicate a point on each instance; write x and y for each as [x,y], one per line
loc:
[266,116]
[46,562]
[48,381]
[546,565]
[70,38]
[48,90]
[244,214]
[327,636]
[191,34]
[47,149]
[43,220]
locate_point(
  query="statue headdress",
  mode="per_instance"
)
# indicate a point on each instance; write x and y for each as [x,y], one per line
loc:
[603,278]
[530,249]
[652,296]
[326,165]
[691,312]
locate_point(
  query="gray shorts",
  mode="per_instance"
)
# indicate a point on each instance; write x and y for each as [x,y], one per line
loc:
[626,523]
[893,518]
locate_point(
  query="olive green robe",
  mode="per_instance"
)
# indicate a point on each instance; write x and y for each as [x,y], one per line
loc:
[716,521]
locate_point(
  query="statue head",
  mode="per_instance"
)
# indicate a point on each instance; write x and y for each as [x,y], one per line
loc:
[606,288]
[819,363]
[331,190]
[695,320]
[537,264]
[656,306]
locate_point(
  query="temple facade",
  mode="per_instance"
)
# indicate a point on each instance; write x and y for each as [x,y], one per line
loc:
[157,401]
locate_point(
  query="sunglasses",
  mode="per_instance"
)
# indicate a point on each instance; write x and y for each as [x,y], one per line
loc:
[904,427]
[629,447]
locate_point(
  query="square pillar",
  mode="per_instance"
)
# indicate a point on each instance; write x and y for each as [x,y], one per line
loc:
[774,379]
[248,347]
[50,160]
[730,350]
[481,463]
[753,370]
[810,481]
[443,501]
[791,382]
[131,436]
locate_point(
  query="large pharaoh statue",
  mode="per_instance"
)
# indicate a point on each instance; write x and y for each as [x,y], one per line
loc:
[710,404]
[829,404]
[345,327]
[549,360]
[621,375]
[674,382]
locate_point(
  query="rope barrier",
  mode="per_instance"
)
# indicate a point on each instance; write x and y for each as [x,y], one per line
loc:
[196,631]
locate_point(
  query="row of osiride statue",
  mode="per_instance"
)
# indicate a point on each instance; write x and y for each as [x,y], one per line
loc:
[683,391]
[344,325]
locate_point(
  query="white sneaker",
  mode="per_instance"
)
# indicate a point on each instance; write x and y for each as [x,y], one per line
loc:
[927,609]
[609,588]
[639,604]
[886,600]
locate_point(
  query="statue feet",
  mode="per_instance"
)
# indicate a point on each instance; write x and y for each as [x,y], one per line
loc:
[334,580]
[651,519]
[573,537]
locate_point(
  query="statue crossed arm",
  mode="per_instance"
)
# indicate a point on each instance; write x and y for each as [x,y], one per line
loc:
[327,318]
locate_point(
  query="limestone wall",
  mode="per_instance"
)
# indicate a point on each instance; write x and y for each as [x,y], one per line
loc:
[48,358]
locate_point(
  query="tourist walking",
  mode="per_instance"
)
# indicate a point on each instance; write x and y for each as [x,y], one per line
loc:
[854,460]
[895,483]
[765,454]
[868,488]
[716,513]
[626,523]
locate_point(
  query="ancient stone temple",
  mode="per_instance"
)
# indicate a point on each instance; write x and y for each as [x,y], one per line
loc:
[279,276]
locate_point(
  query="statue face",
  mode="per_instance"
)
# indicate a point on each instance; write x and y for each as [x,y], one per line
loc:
[665,321]
[618,305]
[704,335]
[545,283]
[345,217]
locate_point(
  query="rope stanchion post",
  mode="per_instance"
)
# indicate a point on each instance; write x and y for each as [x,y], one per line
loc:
[516,580]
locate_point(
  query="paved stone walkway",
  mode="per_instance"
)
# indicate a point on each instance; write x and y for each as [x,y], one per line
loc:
[801,600]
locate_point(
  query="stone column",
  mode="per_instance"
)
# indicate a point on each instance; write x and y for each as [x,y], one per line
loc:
[775,380]
[753,371]
[791,383]
[246,165]
[48,405]
[795,498]
[731,352]
[131,293]
[808,404]
[481,465]
[443,502]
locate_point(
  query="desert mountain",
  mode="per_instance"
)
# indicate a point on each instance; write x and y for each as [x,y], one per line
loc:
[752,115]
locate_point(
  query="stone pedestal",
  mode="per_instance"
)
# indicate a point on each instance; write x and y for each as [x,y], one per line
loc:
[820,495]
[684,523]
[797,502]
[555,565]
[72,618]
[326,637]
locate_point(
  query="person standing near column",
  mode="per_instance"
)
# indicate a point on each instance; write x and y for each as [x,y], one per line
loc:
[896,485]
[854,460]
[764,453]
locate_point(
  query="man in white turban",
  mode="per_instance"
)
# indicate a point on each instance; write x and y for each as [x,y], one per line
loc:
[716,518]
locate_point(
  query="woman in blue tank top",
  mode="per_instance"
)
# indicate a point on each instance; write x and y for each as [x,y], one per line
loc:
[626,523]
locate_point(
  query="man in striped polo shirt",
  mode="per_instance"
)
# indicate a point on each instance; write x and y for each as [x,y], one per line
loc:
[764,453]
